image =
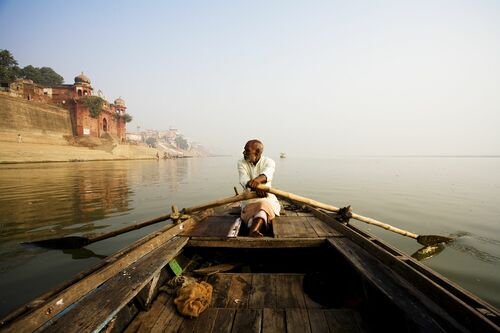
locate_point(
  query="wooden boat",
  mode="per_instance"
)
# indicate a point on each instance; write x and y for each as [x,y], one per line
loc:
[314,274]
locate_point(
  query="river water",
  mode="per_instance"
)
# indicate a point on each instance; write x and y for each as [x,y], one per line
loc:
[444,196]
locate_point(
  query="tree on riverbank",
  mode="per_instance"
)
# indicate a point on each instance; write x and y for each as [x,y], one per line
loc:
[181,142]
[44,76]
[10,71]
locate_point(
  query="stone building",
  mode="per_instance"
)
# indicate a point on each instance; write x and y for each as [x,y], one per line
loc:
[29,90]
[109,122]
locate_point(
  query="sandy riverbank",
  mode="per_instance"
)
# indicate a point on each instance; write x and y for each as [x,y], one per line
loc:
[13,152]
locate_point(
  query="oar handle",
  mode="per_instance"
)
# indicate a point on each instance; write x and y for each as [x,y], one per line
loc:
[129,228]
[220,202]
[331,208]
[244,196]
[386,226]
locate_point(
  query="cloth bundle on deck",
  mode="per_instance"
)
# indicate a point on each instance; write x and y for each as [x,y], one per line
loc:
[193,298]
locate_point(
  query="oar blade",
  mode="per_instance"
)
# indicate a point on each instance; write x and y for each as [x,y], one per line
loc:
[428,252]
[430,240]
[71,242]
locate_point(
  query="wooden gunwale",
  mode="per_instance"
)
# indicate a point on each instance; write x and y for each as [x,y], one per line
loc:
[38,301]
[442,291]
[50,308]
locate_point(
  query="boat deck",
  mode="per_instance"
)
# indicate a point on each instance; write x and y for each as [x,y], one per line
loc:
[291,229]
[246,302]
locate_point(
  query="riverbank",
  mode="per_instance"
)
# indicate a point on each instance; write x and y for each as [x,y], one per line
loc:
[13,152]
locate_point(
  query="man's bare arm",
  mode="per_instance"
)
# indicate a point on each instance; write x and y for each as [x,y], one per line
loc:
[260,179]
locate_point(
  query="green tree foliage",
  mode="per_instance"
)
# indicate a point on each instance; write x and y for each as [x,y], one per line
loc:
[151,142]
[181,142]
[45,76]
[9,71]
[94,103]
[127,117]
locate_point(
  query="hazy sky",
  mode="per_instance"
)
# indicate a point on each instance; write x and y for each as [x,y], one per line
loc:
[310,78]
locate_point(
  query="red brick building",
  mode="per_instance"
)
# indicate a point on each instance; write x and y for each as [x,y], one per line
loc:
[110,120]
[71,96]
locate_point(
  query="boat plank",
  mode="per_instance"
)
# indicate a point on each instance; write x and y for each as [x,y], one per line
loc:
[289,293]
[317,321]
[273,320]
[247,320]
[304,214]
[168,320]
[187,326]
[322,229]
[239,292]
[282,226]
[206,321]
[297,321]
[146,319]
[263,293]
[224,321]
[221,284]
[96,309]
[304,229]
[341,321]
[310,304]
[256,243]
[212,226]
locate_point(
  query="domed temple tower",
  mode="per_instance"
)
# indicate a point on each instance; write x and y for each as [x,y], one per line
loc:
[120,106]
[74,97]
[120,110]
[82,85]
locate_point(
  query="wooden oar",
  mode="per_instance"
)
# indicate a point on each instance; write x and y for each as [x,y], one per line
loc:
[74,242]
[422,239]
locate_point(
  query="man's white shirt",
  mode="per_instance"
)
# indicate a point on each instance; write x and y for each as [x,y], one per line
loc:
[247,171]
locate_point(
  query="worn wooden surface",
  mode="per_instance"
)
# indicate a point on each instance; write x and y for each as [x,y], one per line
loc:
[255,243]
[98,308]
[251,302]
[466,307]
[59,302]
[212,226]
[420,311]
[290,226]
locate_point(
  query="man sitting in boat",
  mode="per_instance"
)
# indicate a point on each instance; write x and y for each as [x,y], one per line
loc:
[255,169]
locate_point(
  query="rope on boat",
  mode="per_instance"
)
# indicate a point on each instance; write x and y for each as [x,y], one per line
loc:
[344,214]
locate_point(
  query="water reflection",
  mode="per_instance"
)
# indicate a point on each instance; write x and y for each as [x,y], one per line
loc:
[54,201]
[57,200]
[83,253]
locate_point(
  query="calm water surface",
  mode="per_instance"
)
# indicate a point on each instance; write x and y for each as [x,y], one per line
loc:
[447,196]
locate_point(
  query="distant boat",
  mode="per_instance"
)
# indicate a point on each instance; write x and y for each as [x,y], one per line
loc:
[282,155]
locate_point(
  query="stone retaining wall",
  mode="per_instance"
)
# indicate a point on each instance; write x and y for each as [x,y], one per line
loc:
[36,122]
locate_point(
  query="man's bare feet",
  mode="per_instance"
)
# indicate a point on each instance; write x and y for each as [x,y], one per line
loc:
[256,227]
